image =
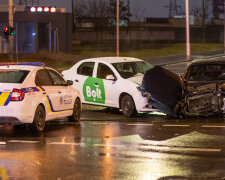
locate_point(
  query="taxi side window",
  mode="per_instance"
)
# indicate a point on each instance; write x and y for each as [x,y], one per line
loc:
[57,79]
[103,71]
[86,69]
[43,78]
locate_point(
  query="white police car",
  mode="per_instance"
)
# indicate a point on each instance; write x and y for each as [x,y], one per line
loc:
[112,82]
[33,93]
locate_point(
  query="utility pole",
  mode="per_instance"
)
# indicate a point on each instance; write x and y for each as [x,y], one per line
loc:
[73,16]
[224,26]
[117,28]
[173,8]
[188,51]
[11,26]
[203,21]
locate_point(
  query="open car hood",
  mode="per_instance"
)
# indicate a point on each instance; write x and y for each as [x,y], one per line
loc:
[164,87]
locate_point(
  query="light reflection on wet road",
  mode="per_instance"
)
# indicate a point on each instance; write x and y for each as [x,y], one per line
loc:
[149,147]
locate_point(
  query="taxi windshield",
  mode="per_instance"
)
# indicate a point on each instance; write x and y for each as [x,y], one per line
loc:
[131,69]
[12,76]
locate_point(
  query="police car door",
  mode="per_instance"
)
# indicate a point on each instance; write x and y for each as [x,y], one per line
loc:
[108,86]
[65,93]
[84,82]
[51,94]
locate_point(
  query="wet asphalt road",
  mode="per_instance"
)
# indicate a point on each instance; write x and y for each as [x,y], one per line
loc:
[112,147]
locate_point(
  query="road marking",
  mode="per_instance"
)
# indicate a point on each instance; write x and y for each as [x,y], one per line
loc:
[212,126]
[63,143]
[203,149]
[21,141]
[108,145]
[99,123]
[2,143]
[3,174]
[175,125]
[139,124]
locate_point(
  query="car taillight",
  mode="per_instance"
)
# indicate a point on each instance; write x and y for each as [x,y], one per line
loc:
[17,95]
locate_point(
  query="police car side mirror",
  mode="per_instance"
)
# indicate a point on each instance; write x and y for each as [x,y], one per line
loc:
[110,77]
[69,83]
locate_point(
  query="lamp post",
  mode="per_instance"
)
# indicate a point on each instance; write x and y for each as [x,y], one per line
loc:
[11,49]
[117,29]
[224,27]
[188,51]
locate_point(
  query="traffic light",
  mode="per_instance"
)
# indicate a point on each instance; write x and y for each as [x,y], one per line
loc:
[12,30]
[8,30]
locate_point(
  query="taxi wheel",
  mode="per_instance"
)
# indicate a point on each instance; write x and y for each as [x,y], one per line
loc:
[76,111]
[39,119]
[128,106]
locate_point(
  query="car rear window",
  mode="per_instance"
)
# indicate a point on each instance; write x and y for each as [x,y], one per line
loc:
[12,76]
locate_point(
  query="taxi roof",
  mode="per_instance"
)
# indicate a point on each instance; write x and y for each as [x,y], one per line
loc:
[114,59]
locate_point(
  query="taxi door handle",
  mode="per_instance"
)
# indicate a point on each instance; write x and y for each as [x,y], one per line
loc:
[76,80]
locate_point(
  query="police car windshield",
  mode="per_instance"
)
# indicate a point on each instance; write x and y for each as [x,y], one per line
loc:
[131,69]
[12,76]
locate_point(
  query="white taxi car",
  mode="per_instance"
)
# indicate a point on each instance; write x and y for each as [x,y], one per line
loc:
[32,93]
[112,82]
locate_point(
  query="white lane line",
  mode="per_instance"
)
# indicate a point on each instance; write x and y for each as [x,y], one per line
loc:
[63,143]
[108,145]
[99,123]
[176,125]
[2,143]
[151,147]
[21,141]
[158,148]
[203,149]
[212,126]
[139,124]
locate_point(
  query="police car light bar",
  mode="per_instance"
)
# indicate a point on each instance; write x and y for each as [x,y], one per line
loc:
[25,64]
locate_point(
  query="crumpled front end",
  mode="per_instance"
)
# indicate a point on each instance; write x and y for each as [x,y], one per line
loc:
[172,95]
[202,100]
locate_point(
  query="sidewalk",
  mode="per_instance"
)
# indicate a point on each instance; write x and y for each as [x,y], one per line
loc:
[182,58]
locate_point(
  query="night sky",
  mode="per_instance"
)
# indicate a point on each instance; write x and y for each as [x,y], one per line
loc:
[140,8]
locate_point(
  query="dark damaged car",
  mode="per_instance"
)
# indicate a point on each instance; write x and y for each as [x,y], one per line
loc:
[200,92]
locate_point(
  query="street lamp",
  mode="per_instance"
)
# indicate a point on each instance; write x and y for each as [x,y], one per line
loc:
[11,25]
[188,51]
[224,26]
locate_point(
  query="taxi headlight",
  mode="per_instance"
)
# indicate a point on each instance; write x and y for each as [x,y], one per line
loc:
[139,88]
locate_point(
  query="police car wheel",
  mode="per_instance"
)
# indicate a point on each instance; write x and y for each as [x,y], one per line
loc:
[39,119]
[128,106]
[76,111]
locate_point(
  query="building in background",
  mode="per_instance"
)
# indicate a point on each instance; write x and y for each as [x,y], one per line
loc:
[37,31]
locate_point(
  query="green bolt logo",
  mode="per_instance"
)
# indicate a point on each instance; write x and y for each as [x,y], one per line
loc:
[93,90]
